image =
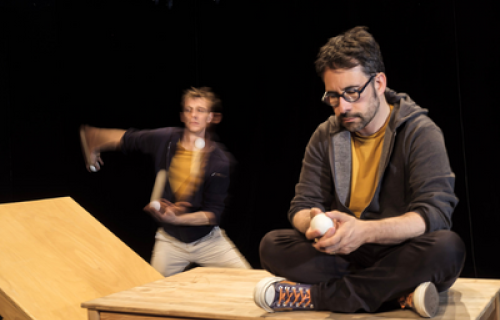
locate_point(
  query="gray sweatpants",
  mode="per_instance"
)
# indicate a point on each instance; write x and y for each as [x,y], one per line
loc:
[171,256]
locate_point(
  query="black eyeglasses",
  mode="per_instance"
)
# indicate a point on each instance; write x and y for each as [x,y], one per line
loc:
[332,98]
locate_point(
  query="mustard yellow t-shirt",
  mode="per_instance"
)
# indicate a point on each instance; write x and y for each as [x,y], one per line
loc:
[185,173]
[366,151]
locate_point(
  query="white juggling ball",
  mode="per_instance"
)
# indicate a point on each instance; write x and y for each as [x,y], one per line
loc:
[92,168]
[199,143]
[155,205]
[321,222]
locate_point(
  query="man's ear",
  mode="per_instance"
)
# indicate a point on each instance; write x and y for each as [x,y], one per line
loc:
[380,83]
[217,118]
[210,117]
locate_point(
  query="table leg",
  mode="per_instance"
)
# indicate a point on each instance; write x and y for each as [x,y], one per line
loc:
[94,314]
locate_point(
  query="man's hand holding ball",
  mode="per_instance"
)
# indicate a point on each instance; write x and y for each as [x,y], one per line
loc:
[319,225]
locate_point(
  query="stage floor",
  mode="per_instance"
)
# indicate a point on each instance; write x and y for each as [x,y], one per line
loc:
[218,293]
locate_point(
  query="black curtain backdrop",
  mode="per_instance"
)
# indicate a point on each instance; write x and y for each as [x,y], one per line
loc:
[122,64]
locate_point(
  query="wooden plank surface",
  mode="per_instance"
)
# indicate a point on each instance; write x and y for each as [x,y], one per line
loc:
[122,316]
[219,293]
[54,255]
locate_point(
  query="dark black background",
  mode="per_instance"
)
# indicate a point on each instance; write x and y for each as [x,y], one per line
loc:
[125,64]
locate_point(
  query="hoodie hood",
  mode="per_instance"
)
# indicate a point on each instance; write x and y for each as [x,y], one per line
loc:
[404,108]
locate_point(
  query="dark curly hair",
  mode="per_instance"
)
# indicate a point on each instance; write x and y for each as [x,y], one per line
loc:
[352,48]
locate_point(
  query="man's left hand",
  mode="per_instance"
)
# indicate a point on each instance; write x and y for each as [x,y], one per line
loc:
[348,235]
[168,212]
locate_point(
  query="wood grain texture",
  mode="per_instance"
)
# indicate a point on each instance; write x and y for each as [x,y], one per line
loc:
[9,310]
[122,316]
[94,315]
[55,255]
[223,294]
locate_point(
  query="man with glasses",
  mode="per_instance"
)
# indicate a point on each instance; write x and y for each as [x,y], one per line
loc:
[191,185]
[379,170]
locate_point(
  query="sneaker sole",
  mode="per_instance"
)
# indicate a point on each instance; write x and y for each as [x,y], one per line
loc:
[426,300]
[259,293]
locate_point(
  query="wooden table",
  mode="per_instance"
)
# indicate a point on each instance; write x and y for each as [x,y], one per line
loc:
[224,294]
[54,255]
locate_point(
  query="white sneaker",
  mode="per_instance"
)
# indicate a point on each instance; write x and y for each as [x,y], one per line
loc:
[278,294]
[424,300]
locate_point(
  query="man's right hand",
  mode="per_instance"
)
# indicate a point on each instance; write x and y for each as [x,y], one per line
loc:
[91,154]
[94,140]
[313,234]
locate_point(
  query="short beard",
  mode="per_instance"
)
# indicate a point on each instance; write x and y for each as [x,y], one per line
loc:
[365,119]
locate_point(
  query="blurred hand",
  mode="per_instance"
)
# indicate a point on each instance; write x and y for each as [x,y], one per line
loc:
[168,212]
[89,141]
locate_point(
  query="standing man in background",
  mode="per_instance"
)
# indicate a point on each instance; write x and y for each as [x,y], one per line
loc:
[194,173]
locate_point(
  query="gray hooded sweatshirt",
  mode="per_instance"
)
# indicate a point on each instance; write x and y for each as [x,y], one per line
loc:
[414,170]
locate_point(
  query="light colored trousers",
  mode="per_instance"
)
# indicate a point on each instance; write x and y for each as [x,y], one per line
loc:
[171,256]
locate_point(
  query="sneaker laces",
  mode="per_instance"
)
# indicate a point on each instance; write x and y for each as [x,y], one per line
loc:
[293,297]
[406,301]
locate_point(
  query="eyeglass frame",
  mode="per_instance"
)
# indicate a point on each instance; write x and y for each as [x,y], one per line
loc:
[342,95]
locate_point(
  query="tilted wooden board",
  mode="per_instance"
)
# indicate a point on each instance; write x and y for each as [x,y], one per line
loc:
[54,255]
